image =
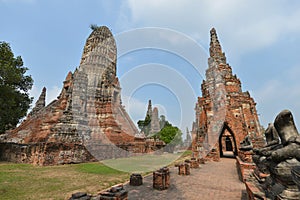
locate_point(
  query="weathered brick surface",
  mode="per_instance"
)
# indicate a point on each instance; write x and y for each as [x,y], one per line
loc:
[214,180]
[44,153]
[115,193]
[184,168]
[224,113]
[88,113]
[244,168]
[161,179]
[194,163]
[136,179]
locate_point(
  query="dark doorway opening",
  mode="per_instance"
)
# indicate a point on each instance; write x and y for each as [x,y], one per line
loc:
[227,143]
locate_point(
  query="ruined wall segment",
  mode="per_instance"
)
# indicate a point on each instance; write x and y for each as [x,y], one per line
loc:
[223,109]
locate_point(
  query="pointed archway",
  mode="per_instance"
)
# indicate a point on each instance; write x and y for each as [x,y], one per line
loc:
[227,141]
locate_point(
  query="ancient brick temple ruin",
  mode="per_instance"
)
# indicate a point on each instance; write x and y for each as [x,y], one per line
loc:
[152,118]
[86,122]
[224,114]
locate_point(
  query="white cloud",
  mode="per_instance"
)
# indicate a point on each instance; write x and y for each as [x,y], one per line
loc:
[52,94]
[275,96]
[135,108]
[244,25]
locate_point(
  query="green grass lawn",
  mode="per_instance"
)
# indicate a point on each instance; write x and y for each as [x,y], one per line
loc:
[145,163]
[25,181]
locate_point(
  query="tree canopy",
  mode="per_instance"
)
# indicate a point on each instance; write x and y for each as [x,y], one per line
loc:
[144,125]
[170,134]
[14,87]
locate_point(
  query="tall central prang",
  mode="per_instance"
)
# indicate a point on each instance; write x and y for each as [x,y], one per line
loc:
[225,114]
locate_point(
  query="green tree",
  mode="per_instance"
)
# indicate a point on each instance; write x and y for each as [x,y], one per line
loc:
[14,87]
[170,134]
[162,121]
[144,125]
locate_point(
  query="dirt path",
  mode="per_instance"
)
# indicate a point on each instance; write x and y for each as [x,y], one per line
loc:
[213,181]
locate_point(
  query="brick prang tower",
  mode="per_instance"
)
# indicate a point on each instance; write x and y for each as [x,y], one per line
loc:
[225,114]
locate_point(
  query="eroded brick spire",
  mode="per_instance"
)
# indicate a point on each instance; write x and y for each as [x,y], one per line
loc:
[40,103]
[149,110]
[100,49]
[215,49]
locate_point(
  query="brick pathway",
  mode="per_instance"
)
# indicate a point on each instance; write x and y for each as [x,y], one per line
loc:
[213,181]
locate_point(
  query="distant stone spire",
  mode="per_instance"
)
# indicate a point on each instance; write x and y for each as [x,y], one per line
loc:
[149,110]
[215,49]
[40,103]
[155,126]
[188,136]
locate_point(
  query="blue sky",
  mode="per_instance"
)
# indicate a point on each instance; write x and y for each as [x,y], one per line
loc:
[261,40]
